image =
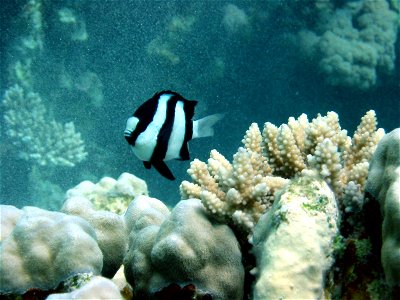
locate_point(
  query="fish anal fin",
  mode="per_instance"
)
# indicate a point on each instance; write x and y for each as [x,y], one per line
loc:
[147,164]
[184,153]
[163,169]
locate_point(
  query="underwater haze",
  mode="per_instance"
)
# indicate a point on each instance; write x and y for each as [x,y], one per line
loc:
[72,73]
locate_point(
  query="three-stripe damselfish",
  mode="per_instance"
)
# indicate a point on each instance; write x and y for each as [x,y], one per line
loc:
[161,128]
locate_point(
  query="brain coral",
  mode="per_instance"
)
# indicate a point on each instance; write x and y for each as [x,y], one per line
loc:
[45,248]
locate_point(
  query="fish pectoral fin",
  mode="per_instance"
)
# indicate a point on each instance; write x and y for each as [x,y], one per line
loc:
[147,164]
[163,169]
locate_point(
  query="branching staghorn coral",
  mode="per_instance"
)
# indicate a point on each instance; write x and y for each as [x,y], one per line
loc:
[38,139]
[239,193]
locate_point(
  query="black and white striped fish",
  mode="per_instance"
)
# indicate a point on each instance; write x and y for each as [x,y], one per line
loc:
[161,128]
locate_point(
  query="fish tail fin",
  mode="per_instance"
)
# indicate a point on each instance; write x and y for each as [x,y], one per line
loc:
[204,126]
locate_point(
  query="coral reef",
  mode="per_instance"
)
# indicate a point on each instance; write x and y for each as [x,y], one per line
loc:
[384,184]
[293,242]
[168,45]
[235,19]
[239,193]
[44,248]
[36,137]
[161,254]
[355,43]
[72,24]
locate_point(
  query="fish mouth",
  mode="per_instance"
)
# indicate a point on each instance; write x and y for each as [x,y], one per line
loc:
[127,133]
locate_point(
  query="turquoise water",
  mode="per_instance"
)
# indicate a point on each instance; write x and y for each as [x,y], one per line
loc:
[94,62]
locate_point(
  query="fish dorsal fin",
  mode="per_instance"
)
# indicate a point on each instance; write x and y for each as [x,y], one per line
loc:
[163,169]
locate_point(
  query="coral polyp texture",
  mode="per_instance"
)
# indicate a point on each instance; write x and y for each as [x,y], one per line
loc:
[384,184]
[240,192]
[36,137]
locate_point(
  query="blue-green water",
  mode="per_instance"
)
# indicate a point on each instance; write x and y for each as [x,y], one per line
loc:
[98,60]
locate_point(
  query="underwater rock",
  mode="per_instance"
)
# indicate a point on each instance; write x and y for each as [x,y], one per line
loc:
[45,248]
[187,248]
[293,242]
[384,184]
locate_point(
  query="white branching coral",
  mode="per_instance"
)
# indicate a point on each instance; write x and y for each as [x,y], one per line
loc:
[237,193]
[241,191]
[35,136]
[324,148]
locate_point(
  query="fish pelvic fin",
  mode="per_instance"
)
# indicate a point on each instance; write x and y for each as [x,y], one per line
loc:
[204,126]
[163,169]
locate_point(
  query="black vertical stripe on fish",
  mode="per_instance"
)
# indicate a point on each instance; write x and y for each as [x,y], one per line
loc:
[188,108]
[165,132]
[145,114]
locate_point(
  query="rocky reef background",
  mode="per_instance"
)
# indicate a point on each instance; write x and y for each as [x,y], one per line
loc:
[93,62]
